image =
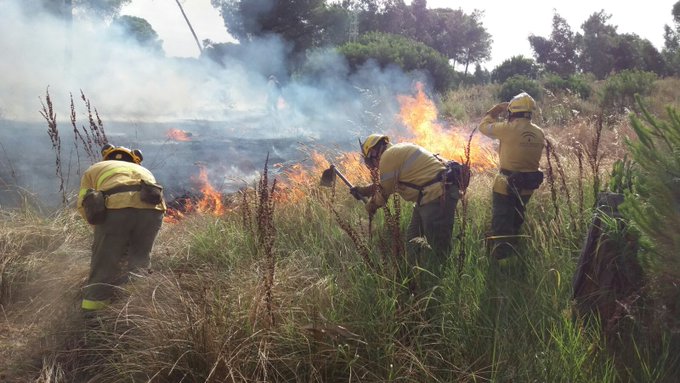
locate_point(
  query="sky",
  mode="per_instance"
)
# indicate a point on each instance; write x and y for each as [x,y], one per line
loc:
[509,27]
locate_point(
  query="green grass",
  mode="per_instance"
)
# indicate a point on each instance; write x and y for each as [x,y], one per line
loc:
[201,316]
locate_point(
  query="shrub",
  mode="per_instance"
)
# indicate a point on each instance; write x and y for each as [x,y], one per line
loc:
[408,54]
[517,65]
[619,90]
[577,83]
[517,84]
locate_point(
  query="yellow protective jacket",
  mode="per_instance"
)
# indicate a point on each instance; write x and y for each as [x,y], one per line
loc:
[409,163]
[106,175]
[520,150]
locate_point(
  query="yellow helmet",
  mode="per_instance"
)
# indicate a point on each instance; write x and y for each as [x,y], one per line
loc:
[370,142]
[121,153]
[522,103]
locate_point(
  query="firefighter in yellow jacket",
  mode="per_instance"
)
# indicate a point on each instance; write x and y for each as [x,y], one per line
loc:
[520,150]
[417,176]
[124,235]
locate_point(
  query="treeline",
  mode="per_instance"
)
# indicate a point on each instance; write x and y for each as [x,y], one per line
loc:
[437,40]
[415,37]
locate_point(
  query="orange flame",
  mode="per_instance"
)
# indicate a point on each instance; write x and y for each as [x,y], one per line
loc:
[419,114]
[178,135]
[300,179]
[210,202]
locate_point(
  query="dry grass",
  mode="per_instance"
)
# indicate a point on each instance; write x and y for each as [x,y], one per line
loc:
[328,315]
[43,267]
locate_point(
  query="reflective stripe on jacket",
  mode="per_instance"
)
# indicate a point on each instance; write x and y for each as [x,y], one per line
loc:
[106,175]
[520,150]
[406,162]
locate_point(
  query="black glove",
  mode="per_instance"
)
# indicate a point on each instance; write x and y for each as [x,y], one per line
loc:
[354,191]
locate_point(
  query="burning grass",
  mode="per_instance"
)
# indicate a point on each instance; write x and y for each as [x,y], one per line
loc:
[200,317]
[249,295]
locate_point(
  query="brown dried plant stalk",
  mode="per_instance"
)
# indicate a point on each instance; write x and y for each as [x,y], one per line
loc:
[93,137]
[563,181]
[87,143]
[51,117]
[594,157]
[266,233]
[96,127]
[464,207]
[356,238]
[579,158]
[551,178]
[246,213]
[393,231]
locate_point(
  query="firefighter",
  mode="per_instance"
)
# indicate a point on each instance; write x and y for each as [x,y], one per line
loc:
[417,176]
[520,150]
[129,210]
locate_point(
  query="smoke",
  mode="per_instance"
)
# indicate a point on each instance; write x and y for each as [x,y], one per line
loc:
[140,94]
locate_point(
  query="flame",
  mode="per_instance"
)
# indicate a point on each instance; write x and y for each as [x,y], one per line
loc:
[178,135]
[419,114]
[301,179]
[209,203]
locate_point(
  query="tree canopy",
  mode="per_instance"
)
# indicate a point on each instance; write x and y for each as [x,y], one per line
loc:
[599,49]
[306,24]
[140,30]
[388,49]
[557,53]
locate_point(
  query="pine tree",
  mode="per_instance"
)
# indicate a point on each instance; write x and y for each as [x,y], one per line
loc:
[653,206]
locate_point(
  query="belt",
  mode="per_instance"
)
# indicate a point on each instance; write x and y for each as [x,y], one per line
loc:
[122,189]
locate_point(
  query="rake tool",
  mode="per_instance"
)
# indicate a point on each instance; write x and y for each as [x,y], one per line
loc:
[328,179]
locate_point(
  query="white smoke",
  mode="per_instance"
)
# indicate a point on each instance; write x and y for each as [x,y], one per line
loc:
[223,104]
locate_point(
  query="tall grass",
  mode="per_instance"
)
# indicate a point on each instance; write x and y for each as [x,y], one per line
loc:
[334,318]
[335,310]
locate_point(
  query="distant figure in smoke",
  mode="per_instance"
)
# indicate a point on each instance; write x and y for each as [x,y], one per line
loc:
[273,94]
[521,147]
[122,200]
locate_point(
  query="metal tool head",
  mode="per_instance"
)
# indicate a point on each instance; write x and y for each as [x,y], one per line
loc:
[328,177]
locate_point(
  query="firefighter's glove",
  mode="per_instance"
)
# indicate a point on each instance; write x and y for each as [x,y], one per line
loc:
[371,207]
[354,191]
[497,109]
[359,192]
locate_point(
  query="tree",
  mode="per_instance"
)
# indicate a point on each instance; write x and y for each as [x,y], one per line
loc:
[516,84]
[140,30]
[64,8]
[629,51]
[671,50]
[410,55]
[455,34]
[558,53]
[421,17]
[478,42]
[597,45]
[100,8]
[652,207]
[298,22]
[449,27]
[517,65]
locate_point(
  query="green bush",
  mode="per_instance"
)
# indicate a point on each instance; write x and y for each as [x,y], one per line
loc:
[408,54]
[619,90]
[517,84]
[517,65]
[577,83]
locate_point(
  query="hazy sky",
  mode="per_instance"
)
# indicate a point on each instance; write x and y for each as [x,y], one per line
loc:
[509,26]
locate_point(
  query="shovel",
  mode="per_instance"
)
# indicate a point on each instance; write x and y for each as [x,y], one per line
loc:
[328,179]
